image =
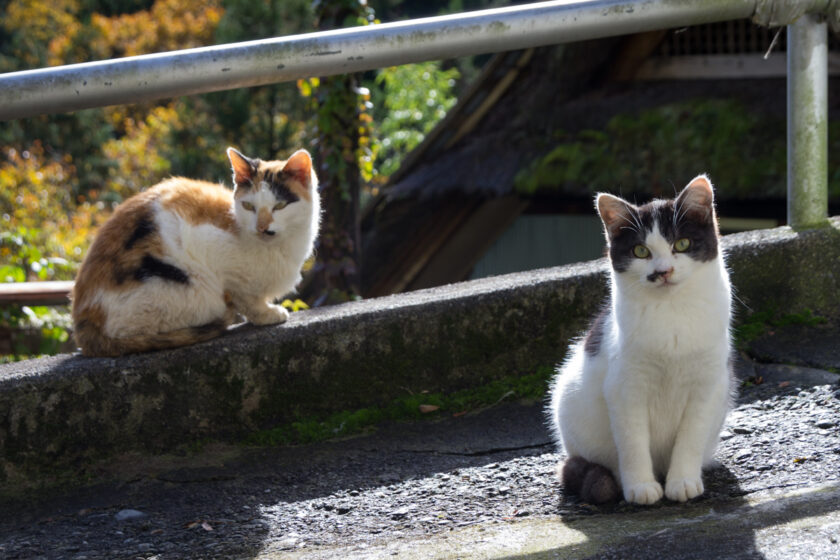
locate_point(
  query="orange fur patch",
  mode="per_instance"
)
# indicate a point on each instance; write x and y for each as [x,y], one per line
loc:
[88,326]
[114,255]
[108,263]
[198,202]
[263,219]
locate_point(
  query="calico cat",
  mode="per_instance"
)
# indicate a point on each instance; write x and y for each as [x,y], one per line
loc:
[177,262]
[642,398]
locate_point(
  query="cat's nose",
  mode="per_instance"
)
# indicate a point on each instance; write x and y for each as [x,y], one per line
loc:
[664,274]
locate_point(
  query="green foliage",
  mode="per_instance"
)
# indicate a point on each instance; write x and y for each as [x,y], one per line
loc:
[415,97]
[37,329]
[341,134]
[672,142]
[33,331]
[61,175]
[23,261]
[762,322]
[263,121]
[308,430]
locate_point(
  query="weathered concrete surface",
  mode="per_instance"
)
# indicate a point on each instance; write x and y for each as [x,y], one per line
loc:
[786,270]
[477,486]
[778,524]
[63,414]
[800,345]
[65,410]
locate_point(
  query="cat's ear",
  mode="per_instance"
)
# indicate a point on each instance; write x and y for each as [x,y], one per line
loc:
[698,199]
[299,167]
[615,213]
[243,167]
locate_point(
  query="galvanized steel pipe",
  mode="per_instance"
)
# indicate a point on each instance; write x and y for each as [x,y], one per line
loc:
[170,74]
[807,122]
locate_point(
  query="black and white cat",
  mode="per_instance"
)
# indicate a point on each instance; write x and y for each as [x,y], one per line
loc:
[642,398]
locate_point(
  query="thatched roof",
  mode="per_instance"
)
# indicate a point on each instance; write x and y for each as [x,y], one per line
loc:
[509,120]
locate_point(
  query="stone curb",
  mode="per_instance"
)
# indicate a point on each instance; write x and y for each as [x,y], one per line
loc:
[61,414]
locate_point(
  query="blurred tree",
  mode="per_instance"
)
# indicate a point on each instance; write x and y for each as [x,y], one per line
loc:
[29,26]
[44,227]
[262,121]
[93,159]
[341,137]
[413,99]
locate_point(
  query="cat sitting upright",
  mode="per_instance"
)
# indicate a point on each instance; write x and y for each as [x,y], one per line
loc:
[177,262]
[642,398]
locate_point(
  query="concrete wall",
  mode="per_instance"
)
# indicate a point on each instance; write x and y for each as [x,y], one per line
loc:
[61,414]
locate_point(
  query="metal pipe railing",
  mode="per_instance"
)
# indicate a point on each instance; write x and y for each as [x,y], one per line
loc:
[187,72]
[807,122]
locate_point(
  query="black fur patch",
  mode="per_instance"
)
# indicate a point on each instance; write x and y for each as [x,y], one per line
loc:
[654,276]
[698,228]
[591,482]
[277,184]
[144,228]
[592,345]
[151,267]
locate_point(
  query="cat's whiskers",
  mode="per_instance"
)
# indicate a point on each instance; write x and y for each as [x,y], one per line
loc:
[633,223]
[679,212]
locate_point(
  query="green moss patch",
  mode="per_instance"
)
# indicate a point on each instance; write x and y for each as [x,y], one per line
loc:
[420,406]
[762,322]
[647,150]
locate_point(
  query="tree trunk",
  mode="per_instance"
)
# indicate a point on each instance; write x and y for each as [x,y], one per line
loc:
[335,276]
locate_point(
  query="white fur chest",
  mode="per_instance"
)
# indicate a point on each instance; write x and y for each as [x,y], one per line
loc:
[270,269]
[675,321]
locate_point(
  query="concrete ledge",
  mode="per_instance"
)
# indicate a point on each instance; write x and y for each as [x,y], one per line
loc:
[62,414]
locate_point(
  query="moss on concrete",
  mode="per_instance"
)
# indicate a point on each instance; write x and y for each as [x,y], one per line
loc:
[759,323]
[405,408]
[64,413]
[786,270]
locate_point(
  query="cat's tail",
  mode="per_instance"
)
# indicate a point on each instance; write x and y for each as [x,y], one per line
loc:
[591,482]
[94,343]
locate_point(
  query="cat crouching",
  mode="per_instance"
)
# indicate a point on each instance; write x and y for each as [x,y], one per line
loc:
[643,397]
[175,264]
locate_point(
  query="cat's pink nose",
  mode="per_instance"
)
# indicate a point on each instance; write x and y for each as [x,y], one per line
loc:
[664,274]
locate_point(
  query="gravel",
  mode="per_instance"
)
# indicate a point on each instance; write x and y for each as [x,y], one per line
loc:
[404,481]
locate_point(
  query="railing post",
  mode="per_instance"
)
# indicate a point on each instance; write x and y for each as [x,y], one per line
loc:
[807,121]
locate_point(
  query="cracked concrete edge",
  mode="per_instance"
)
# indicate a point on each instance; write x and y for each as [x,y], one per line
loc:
[700,529]
[64,413]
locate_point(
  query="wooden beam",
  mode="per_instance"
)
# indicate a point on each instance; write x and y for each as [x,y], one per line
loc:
[36,293]
[454,260]
[722,66]
[632,53]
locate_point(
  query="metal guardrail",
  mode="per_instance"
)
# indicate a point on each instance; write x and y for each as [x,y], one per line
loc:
[192,71]
[186,72]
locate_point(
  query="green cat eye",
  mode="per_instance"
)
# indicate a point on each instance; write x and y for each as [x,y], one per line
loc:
[682,245]
[640,251]
[279,206]
[248,206]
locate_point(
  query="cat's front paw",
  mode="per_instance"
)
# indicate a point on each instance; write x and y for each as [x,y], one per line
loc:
[683,489]
[270,315]
[644,493]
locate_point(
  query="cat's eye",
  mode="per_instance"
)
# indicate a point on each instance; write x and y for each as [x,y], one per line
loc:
[248,206]
[682,245]
[279,206]
[641,252]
